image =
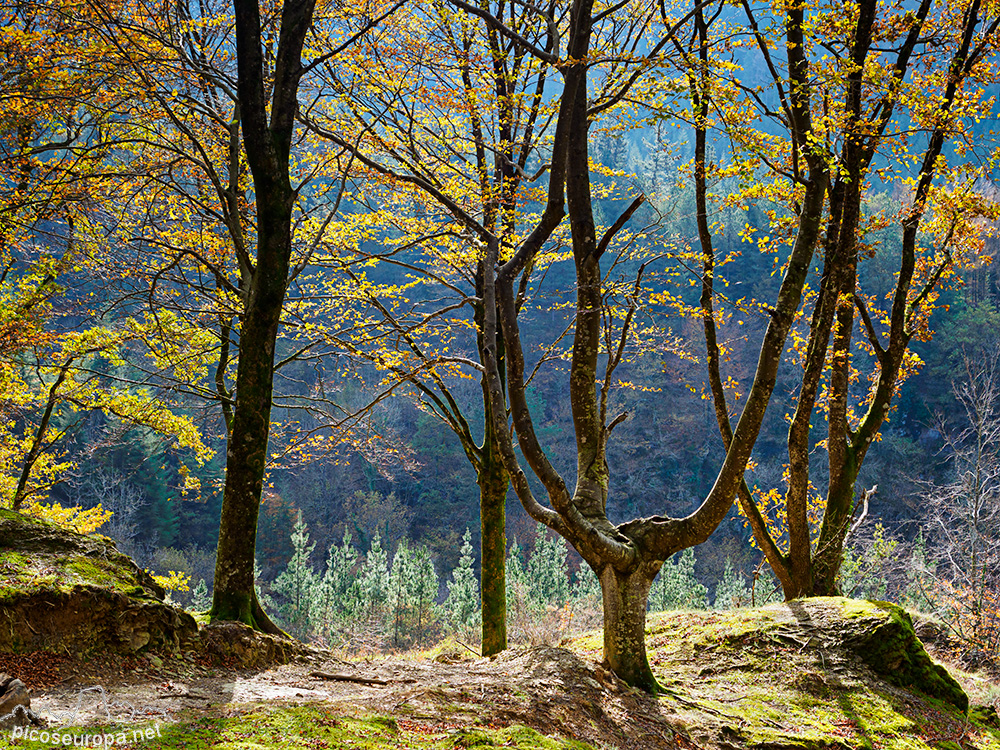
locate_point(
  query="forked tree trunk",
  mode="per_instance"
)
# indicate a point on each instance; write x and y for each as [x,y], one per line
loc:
[625,597]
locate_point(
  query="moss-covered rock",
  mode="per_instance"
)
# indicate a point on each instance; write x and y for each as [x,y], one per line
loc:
[64,591]
[882,635]
[812,673]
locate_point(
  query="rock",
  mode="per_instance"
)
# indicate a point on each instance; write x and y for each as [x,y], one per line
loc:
[138,640]
[68,592]
[880,634]
[226,641]
[15,704]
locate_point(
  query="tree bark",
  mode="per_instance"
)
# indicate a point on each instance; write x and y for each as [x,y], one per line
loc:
[624,599]
[493,483]
[246,457]
[268,146]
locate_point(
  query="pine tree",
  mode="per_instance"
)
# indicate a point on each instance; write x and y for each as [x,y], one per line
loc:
[338,593]
[462,604]
[586,589]
[731,592]
[399,600]
[200,598]
[548,572]
[423,592]
[297,583]
[514,575]
[676,587]
[373,582]
[766,588]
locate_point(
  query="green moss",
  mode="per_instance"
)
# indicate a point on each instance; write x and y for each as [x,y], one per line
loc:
[14,517]
[11,558]
[807,674]
[315,725]
[29,574]
[88,572]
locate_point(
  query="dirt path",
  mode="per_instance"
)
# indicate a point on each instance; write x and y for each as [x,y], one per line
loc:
[550,689]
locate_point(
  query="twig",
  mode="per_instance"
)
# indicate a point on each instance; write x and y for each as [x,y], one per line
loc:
[349,678]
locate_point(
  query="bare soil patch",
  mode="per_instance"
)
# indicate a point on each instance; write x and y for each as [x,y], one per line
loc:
[549,689]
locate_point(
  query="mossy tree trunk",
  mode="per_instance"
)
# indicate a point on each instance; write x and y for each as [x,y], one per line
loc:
[811,567]
[493,483]
[626,554]
[624,598]
[268,147]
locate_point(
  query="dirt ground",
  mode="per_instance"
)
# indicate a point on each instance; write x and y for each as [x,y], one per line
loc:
[746,678]
[549,689]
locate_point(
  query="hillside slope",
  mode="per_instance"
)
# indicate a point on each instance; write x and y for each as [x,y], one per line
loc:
[818,673]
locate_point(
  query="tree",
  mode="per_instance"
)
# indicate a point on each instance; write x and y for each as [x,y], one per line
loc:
[676,587]
[462,604]
[627,555]
[61,362]
[298,583]
[963,519]
[731,592]
[515,577]
[477,145]
[338,596]
[547,571]
[268,125]
[200,598]
[413,588]
[939,230]
[373,579]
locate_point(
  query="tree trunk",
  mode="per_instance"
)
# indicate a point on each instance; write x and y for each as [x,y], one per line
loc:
[625,596]
[268,144]
[830,547]
[246,456]
[493,482]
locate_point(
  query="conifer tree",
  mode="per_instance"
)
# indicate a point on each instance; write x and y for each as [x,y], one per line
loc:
[586,587]
[423,592]
[200,599]
[399,601]
[298,582]
[514,574]
[731,591]
[462,604]
[765,589]
[548,572]
[373,582]
[676,587]
[338,593]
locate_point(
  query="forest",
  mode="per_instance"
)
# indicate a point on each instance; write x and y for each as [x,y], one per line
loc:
[373,322]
